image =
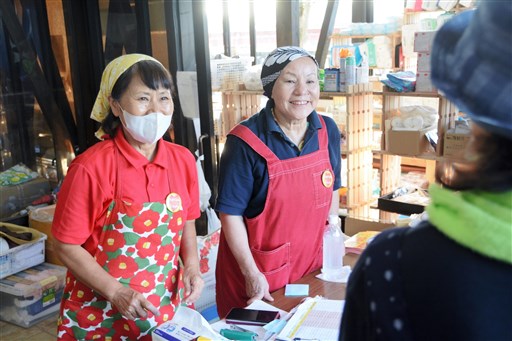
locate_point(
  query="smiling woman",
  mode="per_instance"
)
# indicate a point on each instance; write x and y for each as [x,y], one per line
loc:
[273,198]
[123,218]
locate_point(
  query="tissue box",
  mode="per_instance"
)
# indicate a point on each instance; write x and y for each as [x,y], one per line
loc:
[455,144]
[32,295]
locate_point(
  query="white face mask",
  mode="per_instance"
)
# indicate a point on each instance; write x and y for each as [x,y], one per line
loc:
[148,128]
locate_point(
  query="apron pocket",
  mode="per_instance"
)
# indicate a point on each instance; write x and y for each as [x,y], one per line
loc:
[323,195]
[274,264]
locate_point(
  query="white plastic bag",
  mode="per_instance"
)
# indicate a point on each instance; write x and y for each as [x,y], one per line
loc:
[252,78]
[204,190]
[213,220]
[204,197]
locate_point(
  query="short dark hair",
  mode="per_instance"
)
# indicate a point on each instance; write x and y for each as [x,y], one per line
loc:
[152,74]
[490,171]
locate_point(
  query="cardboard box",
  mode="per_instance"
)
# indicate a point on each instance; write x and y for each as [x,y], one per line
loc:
[423,62]
[353,225]
[455,144]
[423,41]
[41,219]
[405,142]
[424,83]
[32,295]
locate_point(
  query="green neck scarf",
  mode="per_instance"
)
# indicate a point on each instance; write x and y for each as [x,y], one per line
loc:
[481,221]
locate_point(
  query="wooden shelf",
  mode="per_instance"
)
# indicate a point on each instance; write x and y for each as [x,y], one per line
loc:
[364,36]
[422,156]
[352,90]
[242,92]
[391,164]
[411,94]
[357,150]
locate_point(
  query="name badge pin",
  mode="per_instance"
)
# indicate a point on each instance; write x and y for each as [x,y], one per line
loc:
[327,178]
[173,202]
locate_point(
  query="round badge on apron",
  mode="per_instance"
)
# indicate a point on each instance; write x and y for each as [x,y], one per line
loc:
[173,202]
[327,178]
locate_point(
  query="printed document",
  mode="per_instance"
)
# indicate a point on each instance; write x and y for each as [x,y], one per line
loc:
[315,319]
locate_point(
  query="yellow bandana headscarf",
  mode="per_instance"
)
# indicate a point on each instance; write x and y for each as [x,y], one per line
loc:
[111,74]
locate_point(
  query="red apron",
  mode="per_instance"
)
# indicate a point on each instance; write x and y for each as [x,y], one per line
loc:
[286,238]
[139,246]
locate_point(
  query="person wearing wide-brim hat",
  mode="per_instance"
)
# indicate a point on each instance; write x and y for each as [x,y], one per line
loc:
[278,182]
[450,277]
[124,223]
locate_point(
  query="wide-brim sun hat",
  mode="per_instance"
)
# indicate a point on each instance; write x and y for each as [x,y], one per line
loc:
[471,63]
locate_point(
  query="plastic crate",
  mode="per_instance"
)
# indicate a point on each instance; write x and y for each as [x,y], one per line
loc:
[25,255]
[228,73]
[32,295]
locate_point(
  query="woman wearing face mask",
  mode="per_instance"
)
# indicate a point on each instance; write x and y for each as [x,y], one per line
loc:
[125,218]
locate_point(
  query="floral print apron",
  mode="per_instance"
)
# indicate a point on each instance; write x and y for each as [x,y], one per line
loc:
[139,246]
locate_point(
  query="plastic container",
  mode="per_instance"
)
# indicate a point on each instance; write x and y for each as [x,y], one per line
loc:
[321,78]
[363,72]
[343,75]
[350,70]
[333,249]
[331,79]
[228,73]
[32,295]
[23,256]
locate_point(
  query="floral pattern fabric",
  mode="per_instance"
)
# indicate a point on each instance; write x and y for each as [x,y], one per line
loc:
[140,248]
[208,247]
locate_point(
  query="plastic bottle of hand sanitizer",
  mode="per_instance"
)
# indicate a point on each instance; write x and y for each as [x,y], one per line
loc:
[333,249]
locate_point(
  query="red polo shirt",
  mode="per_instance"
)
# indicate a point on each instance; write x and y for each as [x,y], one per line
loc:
[89,186]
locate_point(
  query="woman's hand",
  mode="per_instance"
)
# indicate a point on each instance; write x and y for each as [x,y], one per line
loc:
[132,304]
[256,287]
[129,302]
[194,284]
[191,275]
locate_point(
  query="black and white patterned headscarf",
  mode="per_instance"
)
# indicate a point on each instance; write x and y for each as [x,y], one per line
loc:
[276,61]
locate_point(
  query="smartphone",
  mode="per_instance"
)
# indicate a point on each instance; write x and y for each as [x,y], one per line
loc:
[251,316]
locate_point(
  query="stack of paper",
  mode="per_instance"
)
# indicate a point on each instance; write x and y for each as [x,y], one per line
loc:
[315,319]
[357,243]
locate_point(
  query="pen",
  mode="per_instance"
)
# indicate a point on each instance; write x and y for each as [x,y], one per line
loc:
[240,329]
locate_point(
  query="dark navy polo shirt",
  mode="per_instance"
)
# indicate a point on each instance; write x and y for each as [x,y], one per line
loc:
[243,175]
